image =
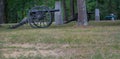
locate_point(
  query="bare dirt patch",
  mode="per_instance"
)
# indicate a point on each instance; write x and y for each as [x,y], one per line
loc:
[60,50]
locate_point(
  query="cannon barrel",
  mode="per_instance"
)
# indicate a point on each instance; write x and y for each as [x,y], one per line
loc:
[56,10]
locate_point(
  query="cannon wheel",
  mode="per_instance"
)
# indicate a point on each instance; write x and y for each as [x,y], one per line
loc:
[43,22]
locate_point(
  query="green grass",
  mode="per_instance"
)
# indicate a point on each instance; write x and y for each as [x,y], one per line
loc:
[99,40]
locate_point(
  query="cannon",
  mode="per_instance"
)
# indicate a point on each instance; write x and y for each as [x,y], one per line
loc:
[38,17]
[42,17]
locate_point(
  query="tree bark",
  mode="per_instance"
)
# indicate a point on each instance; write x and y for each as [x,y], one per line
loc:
[82,13]
[72,8]
[64,10]
[58,15]
[2,12]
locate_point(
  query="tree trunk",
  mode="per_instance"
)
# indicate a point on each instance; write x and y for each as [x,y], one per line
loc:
[58,15]
[2,5]
[72,8]
[64,10]
[82,13]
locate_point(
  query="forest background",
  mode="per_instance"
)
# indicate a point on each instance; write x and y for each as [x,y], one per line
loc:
[16,10]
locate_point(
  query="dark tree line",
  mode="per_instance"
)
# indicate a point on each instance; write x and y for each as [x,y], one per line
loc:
[2,12]
[17,9]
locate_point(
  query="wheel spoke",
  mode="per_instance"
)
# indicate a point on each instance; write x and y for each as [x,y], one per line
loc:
[40,19]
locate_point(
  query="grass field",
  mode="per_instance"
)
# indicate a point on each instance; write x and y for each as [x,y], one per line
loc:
[99,40]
